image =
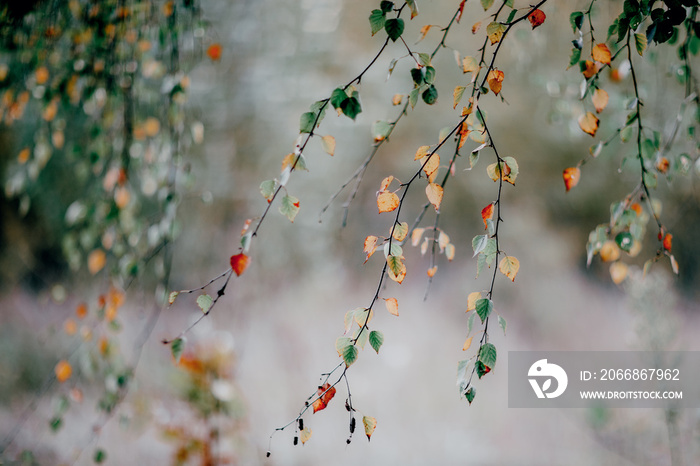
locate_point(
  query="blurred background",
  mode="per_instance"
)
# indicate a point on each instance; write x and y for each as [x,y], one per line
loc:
[226,118]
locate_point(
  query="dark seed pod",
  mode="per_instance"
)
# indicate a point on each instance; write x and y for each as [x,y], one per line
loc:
[268,454]
[352,425]
[348,441]
[301,424]
[347,405]
[296,440]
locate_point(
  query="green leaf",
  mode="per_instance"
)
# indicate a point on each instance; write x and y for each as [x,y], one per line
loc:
[417,76]
[470,323]
[349,354]
[429,73]
[289,207]
[502,324]
[484,307]
[424,59]
[576,20]
[381,129]
[479,243]
[462,375]
[338,96]
[396,249]
[473,159]
[376,340]
[413,97]
[267,189]
[511,16]
[575,56]
[487,355]
[394,27]
[395,264]
[172,297]
[640,41]
[470,394]
[430,95]
[100,456]
[624,240]
[514,170]
[361,336]
[204,302]
[486,4]
[341,343]
[376,21]
[351,107]
[482,369]
[177,347]
[386,6]
[56,424]
[306,122]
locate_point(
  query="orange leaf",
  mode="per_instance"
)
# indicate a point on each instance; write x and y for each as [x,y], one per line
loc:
[432,270]
[601,53]
[423,31]
[421,152]
[370,246]
[431,165]
[495,80]
[81,310]
[386,201]
[239,263]
[536,18]
[214,51]
[400,272]
[63,370]
[96,261]
[392,305]
[396,100]
[668,239]
[475,27]
[326,394]
[600,100]
[385,183]
[588,123]
[434,193]
[662,165]
[572,175]
[70,327]
[618,272]
[471,300]
[487,214]
[416,235]
[610,251]
[591,69]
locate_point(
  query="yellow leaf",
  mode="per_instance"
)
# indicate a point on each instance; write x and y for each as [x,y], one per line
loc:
[495,31]
[475,27]
[392,305]
[495,80]
[600,100]
[467,344]
[305,435]
[509,267]
[361,316]
[588,123]
[385,183]
[370,246]
[421,152]
[457,95]
[370,424]
[469,64]
[601,53]
[434,193]
[443,240]
[610,251]
[63,370]
[328,143]
[450,252]
[471,300]
[96,261]
[423,31]
[386,201]
[431,165]
[400,231]
[398,271]
[618,272]
[416,235]
[396,100]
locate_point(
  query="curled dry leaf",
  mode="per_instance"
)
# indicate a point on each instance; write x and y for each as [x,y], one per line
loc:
[536,18]
[572,175]
[325,394]
[588,123]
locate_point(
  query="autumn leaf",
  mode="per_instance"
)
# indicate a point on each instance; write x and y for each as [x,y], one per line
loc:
[487,214]
[421,152]
[397,269]
[589,69]
[457,95]
[431,165]
[416,236]
[662,165]
[618,272]
[601,53]
[471,300]
[475,27]
[305,435]
[434,193]
[600,100]
[214,51]
[610,251]
[423,31]
[96,261]
[469,64]
[325,395]
[572,175]
[460,11]
[443,240]
[495,80]
[432,271]
[289,207]
[396,100]
[668,239]
[495,31]
[509,267]
[370,246]
[467,344]
[400,231]
[328,143]
[387,201]
[63,370]
[450,252]
[536,18]
[81,311]
[588,123]
[239,263]
[370,424]
[392,305]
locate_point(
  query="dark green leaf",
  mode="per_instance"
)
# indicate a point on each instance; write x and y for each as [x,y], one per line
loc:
[576,20]
[470,394]
[511,16]
[338,97]
[349,354]
[484,307]
[177,347]
[386,6]
[394,28]
[306,122]
[417,75]
[487,355]
[56,424]
[429,73]
[100,456]
[430,95]
[624,240]
[482,369]
[575,56]
[351,107]
[376,339]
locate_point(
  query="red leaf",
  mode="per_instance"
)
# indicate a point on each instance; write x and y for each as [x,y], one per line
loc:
[572,176]
[326,394]
[668,239]
[214,51]
[461,10]
[239,263]
[487,214]
[536,18]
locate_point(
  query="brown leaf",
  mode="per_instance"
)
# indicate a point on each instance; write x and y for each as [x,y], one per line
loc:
[572,175]
[601,53]
[461,10]
[495,80]
[536,18]
[326,394]
[475,27]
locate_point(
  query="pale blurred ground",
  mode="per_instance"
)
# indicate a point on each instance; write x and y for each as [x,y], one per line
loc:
[286,311]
